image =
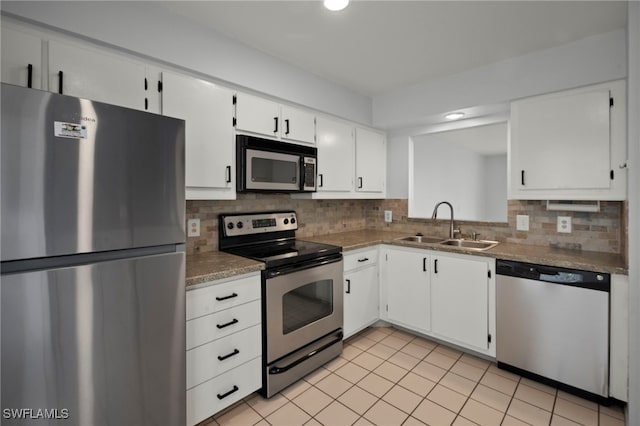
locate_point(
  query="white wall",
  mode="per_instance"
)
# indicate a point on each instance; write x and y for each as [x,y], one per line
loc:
[147,29]
[633,99]
[495,190]
[473,183]
[591,60]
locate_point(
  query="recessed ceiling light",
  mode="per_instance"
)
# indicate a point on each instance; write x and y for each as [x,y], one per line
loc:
[454,116]
[336,5]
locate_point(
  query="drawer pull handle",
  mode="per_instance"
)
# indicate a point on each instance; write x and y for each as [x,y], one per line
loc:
[29,75]
[224,395]
[363,259]
[231,296]
[221,326]
[348,287]
[223,357]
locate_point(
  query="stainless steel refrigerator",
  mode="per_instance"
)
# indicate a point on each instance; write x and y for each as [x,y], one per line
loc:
[93,264]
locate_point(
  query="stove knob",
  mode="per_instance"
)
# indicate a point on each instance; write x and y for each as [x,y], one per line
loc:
[286,221]
[239,225]
[293,220]
[230,225]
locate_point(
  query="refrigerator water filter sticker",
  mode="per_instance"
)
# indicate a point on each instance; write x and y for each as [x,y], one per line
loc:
[69,130]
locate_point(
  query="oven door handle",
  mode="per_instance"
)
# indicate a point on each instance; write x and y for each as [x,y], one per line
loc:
[280,370]
[276,272]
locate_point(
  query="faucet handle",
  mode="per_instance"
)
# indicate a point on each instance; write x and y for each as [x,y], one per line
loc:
[457,231]
[475,235]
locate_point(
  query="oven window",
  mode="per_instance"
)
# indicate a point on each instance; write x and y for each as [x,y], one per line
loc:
[274,171]
[306,304]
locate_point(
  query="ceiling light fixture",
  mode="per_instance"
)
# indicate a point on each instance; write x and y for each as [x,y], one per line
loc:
[454,116]
[336,5]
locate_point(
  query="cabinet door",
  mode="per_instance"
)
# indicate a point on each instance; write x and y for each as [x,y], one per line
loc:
[561,141]
[298,125]
[94,75]
[360,299]
[371,154]
[19,51]
[335,155]
[209,153]
[407,286]
[257,115]
[459,300]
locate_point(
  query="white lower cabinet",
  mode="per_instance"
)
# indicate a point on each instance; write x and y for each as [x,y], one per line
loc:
[448,296]
[361,290]
[224,344]
[461,291]
[218,393]
[406,287]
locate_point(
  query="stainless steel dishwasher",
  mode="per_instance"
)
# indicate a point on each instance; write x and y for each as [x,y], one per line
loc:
[553,325]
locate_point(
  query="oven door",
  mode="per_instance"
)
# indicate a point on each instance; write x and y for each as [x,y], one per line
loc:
[302,304]
[271,171]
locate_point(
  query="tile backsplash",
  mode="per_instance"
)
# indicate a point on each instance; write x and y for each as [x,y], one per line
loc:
[603,231]
[315,217]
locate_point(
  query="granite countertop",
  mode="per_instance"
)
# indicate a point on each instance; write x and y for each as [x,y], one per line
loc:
[576,259]
[203,267]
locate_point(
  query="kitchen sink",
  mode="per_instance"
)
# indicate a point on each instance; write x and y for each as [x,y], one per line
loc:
[479,245]
[423,239]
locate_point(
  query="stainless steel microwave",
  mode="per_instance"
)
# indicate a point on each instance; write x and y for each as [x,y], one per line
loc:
[265,165]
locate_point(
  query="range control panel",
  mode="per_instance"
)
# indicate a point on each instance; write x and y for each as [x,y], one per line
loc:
[259,223]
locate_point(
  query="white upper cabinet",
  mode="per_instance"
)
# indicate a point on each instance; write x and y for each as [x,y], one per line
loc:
[257,115]
[371,155]
[21,59]
[336,156]
[264,117]
[569,145]
[298,125]
[460,299]
[209,150]
[95,75]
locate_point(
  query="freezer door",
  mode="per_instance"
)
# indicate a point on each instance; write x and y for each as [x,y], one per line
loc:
[101,344]
[80,176]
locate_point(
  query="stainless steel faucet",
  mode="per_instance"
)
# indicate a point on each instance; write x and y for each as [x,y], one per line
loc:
[435,215]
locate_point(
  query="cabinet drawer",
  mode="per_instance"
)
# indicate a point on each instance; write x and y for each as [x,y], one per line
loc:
[211,327]
[210,397]
[217,297]
[214,358]
[361,258]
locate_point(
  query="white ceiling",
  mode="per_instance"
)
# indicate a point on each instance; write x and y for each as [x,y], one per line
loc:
[373,47]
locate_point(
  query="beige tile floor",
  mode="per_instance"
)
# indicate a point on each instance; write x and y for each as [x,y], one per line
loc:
[388,377]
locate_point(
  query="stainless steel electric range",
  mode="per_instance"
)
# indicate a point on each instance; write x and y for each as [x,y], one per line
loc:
[301,294]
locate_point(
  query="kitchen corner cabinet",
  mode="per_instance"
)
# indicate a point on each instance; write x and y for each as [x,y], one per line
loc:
[95,75]
[569,145]
[406,287]
[21,59]
[224,344]
[371,154]
[207,109]
[462,291]
[361,290]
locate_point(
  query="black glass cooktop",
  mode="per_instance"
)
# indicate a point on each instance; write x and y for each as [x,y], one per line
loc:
[285,252]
